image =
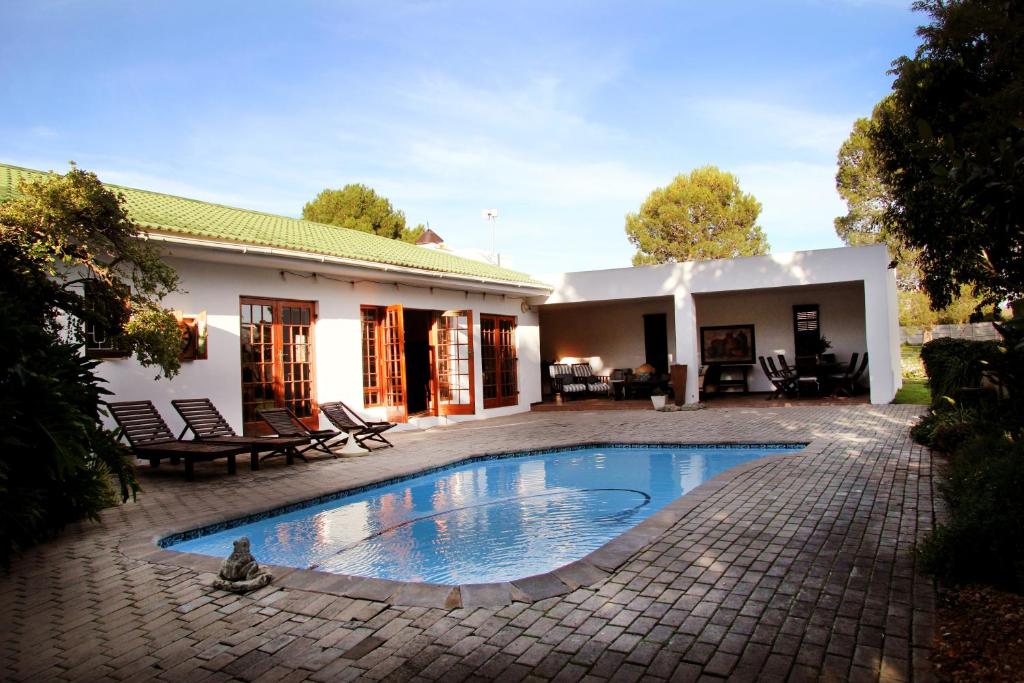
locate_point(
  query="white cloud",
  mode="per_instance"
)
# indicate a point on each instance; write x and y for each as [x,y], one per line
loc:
[799,203]
[777,125]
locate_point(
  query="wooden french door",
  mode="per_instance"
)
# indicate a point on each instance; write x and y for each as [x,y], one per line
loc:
[277,360]
[453,362]
[392,352]
[499,361]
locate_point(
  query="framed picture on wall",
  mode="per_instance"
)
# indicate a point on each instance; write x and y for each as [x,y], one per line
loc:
[727,344]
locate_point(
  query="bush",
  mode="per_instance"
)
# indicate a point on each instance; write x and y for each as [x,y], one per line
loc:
[984,538]
[955,363]
[56,460]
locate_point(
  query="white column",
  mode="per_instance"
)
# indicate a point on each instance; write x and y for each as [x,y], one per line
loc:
[687,350]
[881,332]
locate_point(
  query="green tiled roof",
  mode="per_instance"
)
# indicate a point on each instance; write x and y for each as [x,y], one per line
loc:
[163,213]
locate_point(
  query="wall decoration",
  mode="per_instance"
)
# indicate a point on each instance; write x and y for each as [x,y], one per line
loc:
[727,344]
[193,335]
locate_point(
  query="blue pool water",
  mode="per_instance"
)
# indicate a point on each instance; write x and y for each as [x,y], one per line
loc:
[485,521]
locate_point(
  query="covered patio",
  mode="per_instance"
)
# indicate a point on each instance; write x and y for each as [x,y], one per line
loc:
[726,314]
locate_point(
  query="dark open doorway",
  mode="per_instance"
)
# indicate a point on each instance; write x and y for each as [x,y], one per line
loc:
[418,363]
[656,340]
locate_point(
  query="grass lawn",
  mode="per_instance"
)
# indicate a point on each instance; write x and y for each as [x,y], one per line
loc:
[915,386]
[914,391]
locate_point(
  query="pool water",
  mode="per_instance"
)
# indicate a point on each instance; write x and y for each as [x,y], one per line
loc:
[484,521]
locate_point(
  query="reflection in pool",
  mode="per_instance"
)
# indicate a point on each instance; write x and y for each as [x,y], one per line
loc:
[485,521]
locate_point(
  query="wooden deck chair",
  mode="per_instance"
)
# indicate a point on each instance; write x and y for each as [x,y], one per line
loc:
[361,431]
[285,423]
[379,426]
[207,424]
[785,384]
[151,439]
[846,382]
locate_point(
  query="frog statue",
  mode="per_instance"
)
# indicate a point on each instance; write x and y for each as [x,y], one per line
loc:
[240,573]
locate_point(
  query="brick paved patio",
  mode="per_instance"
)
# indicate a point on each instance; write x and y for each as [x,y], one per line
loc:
[799,568]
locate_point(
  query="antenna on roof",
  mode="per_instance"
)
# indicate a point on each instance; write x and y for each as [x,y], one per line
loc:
[491,216]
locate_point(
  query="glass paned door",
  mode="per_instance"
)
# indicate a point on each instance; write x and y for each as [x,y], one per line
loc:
[453,359]
[499,361]
[297,358]
[277,360]
[392,335]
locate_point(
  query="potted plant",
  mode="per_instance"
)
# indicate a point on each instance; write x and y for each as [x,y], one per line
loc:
[658,398]
[824,344]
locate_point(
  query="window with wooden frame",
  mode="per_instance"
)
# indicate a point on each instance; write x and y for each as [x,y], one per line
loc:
[370,318]
[499,360]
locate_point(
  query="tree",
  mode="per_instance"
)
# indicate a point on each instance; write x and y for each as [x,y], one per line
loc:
[951,149]
[699,216]
[359,207]
[859,181]
[69,258]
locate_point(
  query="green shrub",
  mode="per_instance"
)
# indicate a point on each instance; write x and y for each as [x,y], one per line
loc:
[955,363]
[949,424]
[984,538]
[56,460]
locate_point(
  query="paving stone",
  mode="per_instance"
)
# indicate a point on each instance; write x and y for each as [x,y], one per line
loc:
[796,566]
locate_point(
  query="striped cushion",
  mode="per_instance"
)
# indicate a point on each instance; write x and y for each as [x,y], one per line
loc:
[556,369]
[573,388]
[600,387]
[582,370]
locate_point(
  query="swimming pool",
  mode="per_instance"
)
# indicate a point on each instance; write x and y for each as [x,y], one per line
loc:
[484,520]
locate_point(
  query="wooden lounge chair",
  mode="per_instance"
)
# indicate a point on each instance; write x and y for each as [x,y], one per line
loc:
[785,383]
[151,439]
[595,384]
[207,424]
[340,416]
[564,382]
[285,423]
[378,426]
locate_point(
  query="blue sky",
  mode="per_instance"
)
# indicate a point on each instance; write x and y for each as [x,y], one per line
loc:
[562,115]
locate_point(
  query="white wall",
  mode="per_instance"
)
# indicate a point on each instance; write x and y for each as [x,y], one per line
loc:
[215,287]
[607,335]
[841,313]
[682,281]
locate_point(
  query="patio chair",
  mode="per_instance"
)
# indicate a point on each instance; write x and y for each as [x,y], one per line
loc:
[342,417]
[807,373]
[207,424]
[595,383]
[380,426]
[285,423]
[151,439]
[564,382]
[846,382]
[785,367]
[785,383]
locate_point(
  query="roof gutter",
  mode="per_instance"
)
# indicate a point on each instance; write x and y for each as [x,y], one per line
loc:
[525,288]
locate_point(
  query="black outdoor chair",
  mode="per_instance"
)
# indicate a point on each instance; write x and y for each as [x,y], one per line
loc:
[785,384]
[342,417]
[285,423]
[207,424]
[846,381]
[151,439]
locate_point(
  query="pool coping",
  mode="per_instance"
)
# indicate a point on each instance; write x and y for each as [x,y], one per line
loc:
[589,569]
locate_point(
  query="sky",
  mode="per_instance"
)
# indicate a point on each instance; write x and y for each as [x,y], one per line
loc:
[563,116]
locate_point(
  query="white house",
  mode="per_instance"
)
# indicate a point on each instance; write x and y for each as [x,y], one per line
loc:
[298,313]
